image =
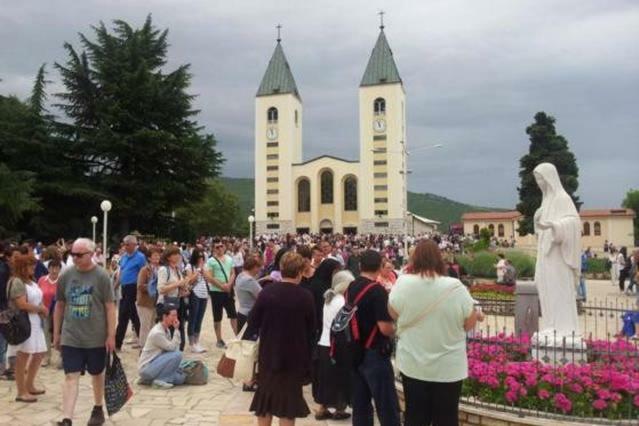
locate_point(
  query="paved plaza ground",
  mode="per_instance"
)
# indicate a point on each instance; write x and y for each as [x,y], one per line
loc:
[217,403]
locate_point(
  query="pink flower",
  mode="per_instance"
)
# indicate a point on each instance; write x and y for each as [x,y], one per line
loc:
[562,402]
[576,387]
[543,394]
[599,404]
[511,396]
[636,401]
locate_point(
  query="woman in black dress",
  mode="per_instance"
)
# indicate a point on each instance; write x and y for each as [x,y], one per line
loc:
[320,283]
[285,315]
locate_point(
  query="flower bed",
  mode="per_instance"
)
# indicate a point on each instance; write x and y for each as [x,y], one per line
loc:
[501,372]
[493,291]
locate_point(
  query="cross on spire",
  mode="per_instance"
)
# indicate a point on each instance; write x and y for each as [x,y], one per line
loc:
[381,14]
[279,27]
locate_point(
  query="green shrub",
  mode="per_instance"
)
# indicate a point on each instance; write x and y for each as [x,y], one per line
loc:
[482,264]
[525,264]
[597,265]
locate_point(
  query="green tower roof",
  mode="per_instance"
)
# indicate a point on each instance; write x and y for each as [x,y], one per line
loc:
[278,78]
[381,68]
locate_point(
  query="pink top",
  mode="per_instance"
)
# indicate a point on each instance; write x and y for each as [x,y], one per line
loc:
[48,288]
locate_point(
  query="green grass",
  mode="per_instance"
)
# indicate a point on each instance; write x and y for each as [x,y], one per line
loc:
[426,205]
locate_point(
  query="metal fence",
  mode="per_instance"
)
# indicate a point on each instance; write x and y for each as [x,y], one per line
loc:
[595,381]
[599,318]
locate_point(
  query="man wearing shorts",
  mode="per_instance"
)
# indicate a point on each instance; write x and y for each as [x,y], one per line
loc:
[84,327]
[220,276]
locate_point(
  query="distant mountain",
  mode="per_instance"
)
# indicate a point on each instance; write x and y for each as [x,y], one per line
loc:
[427,205]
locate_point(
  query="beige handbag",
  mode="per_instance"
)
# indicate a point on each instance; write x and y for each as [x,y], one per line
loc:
[238,361]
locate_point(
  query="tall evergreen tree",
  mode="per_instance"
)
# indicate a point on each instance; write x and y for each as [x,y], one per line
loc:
[631,201]
[546,146]
[132,130]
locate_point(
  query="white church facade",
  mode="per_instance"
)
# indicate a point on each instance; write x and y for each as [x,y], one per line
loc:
[329,194]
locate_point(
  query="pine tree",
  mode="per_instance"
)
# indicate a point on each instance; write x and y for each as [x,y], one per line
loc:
[545,146]
[133,132]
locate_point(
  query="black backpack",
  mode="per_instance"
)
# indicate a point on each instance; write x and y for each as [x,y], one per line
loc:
[346,341]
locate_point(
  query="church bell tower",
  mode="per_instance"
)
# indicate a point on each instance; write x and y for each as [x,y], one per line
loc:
[278,145]
[382,127]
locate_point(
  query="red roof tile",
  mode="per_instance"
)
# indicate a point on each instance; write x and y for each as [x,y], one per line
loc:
[607,212]
[509,215]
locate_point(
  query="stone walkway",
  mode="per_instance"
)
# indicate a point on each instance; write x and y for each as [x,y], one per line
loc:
[217,403]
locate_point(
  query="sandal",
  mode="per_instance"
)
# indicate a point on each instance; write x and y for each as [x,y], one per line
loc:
[37,392]
[325,415]
[27,400]
[341,415]
[249,388]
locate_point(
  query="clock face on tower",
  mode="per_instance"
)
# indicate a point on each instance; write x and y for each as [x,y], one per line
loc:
[379,125]
[271,133]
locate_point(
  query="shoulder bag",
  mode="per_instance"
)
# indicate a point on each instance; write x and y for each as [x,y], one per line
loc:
[14,323]
[238,361]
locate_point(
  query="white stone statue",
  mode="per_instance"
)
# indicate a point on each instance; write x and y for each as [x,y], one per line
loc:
[558,229]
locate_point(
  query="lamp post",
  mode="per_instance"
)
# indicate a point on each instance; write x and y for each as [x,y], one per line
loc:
[94,220]
[106,207]
[251,219]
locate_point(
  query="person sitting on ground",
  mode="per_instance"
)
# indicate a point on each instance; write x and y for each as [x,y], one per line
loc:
[161,357]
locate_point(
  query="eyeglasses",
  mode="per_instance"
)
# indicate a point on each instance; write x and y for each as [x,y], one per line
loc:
[219,246]
[78,254]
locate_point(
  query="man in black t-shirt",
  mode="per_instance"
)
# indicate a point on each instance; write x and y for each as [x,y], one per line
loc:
[372,377]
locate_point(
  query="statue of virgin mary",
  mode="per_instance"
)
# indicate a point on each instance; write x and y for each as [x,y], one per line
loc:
[558,229]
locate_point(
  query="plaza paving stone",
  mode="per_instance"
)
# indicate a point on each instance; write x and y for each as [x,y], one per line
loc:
[219,402]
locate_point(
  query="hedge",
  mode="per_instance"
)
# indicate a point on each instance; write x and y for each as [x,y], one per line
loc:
[597,265]
[482,264]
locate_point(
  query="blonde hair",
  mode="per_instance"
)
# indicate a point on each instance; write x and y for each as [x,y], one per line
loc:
[292,265]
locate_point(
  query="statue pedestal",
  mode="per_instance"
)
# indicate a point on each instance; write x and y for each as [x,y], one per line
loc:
[550,348]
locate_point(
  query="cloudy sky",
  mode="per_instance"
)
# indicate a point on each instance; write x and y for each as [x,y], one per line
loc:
[475,74]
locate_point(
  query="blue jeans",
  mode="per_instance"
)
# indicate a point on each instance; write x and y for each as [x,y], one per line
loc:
[197,308]
[581,290]
[374,379]
[164,367]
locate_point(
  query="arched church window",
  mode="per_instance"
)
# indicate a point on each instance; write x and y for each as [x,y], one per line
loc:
[326,182]
[296,118]
[586,229]
[304,196]
[271,115]
[379,106]
[491,228]
[350,194]
[476,229]
[597,229]
[500,230]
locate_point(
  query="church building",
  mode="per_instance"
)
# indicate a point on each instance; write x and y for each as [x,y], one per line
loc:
[329,194]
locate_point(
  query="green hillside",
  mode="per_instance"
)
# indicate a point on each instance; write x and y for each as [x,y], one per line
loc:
[440,208]
[427,205]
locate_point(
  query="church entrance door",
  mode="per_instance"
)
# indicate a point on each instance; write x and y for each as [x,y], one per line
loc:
[350,230]
[326,226]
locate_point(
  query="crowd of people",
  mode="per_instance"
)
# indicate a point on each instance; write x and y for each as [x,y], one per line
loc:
[288,292]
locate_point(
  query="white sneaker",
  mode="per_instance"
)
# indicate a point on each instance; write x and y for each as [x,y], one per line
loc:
[159,384]
[193,348]
[201,349]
